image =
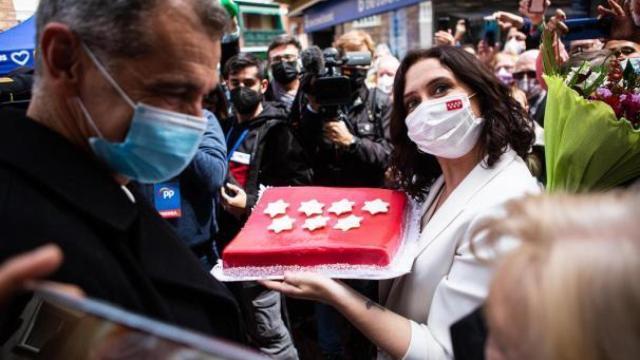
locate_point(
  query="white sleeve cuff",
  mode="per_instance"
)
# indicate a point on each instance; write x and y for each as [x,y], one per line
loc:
[423,345]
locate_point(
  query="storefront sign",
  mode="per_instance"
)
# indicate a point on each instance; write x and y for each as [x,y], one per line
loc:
[333,12]
[398,33]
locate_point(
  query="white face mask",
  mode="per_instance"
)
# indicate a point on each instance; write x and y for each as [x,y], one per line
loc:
[445,127]
[635,63]
[385,83]
[514,47]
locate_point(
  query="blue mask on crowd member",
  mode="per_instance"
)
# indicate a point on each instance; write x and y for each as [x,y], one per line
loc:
[159,144]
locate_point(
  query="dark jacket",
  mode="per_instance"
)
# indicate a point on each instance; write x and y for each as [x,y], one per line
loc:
[469,336]
[364,163]
[200,183]
[114,249]
[276,159]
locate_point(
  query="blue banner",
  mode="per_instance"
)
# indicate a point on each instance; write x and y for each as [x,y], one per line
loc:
[17,46]
[10,60]
[333,12]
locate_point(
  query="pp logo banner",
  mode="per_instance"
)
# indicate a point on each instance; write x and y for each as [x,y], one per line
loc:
[166,193]
[166,198]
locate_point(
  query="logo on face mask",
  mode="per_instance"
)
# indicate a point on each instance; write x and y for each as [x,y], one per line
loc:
[444,127]
[454,105]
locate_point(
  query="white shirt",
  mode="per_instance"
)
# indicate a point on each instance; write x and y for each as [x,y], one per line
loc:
[447,280]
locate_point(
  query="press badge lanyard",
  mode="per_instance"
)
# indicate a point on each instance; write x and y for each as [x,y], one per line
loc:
[240,140]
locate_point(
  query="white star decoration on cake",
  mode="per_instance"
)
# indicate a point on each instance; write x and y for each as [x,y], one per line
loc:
[276,208]
[348,223]
[281,224]
[315,223]
[376,206]
[341,207]
[312,207]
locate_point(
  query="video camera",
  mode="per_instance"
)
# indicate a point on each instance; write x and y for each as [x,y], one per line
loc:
[323,77]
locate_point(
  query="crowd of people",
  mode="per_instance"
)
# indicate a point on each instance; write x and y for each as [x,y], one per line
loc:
[133,99]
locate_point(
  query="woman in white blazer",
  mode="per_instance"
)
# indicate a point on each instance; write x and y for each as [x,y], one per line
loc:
[459,142]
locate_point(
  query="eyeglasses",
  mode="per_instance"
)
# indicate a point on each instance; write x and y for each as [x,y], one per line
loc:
[625,50]
[283,57]
[520,75]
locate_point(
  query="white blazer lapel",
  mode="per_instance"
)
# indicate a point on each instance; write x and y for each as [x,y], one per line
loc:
[459,198]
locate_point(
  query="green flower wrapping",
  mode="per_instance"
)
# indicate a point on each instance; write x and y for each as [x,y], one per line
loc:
[586,146]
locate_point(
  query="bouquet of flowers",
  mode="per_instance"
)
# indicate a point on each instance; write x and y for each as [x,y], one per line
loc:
[592,124]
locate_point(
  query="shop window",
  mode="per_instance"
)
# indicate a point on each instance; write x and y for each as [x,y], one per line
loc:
[260,22]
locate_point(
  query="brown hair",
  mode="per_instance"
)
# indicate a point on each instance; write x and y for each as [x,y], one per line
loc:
[283,40]
[506,124]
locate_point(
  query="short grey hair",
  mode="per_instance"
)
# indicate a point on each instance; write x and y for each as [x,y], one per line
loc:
[119,28]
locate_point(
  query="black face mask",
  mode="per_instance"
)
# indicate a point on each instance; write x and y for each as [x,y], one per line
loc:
[285,72]
[245,100]
[357,79]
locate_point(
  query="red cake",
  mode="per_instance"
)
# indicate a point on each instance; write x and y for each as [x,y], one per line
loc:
[286,234]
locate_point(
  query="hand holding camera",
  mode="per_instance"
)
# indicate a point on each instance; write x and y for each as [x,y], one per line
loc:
[337,133]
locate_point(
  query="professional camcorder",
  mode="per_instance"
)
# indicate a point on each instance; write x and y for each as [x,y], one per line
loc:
[323,78]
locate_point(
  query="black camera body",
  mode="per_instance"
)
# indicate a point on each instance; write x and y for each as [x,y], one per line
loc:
[332,90]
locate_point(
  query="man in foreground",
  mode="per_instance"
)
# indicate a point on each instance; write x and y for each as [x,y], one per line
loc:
[118,97]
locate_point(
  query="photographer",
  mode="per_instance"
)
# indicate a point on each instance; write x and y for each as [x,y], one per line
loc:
[351,149]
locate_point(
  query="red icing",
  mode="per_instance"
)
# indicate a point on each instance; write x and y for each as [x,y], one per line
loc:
[375,242]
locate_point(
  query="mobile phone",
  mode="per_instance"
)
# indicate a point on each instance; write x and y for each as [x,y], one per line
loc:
[230,191]
[443,23]
[536,6]
[491,32]
[587,28]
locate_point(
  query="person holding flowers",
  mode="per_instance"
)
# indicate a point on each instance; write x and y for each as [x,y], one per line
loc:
[592,117]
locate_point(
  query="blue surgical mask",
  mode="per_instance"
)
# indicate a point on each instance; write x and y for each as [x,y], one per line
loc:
[635,64]
[159,144]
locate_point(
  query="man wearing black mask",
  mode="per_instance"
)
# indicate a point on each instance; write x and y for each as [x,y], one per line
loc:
[284,67]
[261,151]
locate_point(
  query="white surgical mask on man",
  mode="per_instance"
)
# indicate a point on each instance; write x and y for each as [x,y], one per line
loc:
[385,83]
[445,127]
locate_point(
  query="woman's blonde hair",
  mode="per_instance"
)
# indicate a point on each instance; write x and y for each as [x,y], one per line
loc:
[353,40]
[572,289]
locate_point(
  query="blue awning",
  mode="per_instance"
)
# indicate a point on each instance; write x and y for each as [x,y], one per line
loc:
[17,46]
[332,12]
